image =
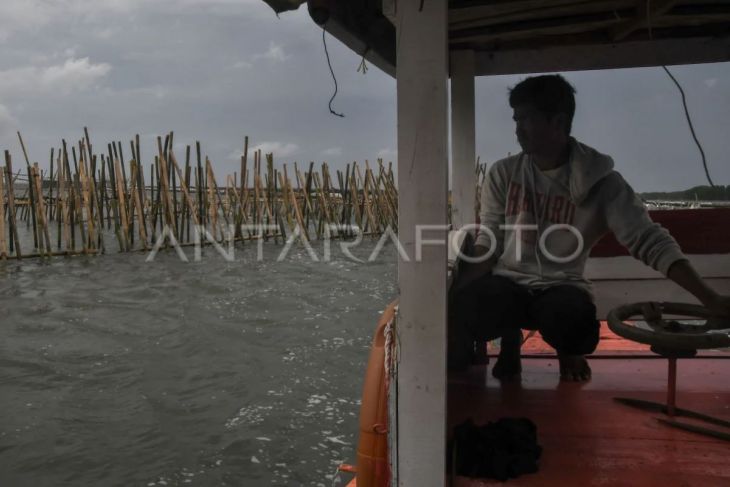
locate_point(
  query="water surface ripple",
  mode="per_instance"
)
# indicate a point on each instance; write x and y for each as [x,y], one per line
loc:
[114,371]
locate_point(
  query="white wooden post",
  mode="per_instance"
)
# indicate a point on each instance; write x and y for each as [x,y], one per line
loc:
[463,144]
[422,74]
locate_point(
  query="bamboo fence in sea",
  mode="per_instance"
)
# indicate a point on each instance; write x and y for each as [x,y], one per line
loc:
[86,199]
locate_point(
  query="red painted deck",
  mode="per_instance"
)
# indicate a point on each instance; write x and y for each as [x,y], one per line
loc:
[589,439]
[610,343]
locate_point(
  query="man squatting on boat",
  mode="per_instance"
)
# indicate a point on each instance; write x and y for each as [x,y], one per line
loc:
[542,211]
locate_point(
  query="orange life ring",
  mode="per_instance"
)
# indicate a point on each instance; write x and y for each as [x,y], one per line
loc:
[372,447]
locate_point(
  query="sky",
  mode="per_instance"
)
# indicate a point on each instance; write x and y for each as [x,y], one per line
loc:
[218,70]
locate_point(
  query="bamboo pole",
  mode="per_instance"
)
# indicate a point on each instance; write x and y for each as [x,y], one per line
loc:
[211,179]
[189,212]
[299,217]
[241,217]
[266,210]
[97,204]
[346,198]
[3,242]
[314,199]
[323,201]
[11,205]
[60,202]
[31,193]
[150,209]
[141,227]
[121,207]
[244,160]
[78,206]
[71,199]
[157,205]
[49,216]
[355,200]
[177,224]
[211,204]
[167,204]
[186,193]
[87,201]
[286,196]
[307,202]
[104,198]
[43,224]
[140,186]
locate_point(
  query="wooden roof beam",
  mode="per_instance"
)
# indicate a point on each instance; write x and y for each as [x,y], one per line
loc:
[647,10]
[466,18]
[496,9]
[628,54]
[533,30]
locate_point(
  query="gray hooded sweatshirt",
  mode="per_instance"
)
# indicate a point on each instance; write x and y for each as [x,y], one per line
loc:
[546,222]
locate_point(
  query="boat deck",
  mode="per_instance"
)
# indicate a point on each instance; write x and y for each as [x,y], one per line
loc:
[589,439]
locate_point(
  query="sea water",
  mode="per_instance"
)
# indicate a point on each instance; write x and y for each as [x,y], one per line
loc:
[115,370]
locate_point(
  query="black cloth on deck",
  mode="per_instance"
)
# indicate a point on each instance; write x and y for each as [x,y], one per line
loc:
[504,449]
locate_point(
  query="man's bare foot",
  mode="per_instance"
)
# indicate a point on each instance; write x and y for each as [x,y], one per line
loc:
[509,366]
[574,368]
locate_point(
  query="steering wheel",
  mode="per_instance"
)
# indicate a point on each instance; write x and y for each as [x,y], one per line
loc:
[662,334]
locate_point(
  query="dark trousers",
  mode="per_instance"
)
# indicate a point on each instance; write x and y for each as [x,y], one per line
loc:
[495,306]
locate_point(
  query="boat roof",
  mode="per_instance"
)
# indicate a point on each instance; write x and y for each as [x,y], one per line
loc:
[530,36]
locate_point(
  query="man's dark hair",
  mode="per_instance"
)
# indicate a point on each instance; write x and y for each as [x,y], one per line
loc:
[550,94]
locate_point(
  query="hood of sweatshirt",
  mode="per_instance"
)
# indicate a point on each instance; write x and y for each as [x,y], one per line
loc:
[543,224]
[587,167]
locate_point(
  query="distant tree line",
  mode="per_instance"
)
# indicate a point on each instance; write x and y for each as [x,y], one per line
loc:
[703,193]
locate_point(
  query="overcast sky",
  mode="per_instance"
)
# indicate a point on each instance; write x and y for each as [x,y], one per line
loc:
[216,70]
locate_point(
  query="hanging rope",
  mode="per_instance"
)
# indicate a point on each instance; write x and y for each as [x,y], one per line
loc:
[684,98]
[691,127]
[390,348]
[329,63]
[363,67]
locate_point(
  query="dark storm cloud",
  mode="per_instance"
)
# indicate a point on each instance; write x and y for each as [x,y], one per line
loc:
[216,70]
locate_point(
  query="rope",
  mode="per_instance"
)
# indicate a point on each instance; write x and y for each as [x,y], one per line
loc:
[388,345]
[684,98]
[389,333]
[691,127]
[363,67]
[329,63]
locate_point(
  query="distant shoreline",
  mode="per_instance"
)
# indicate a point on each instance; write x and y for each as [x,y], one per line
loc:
[697,193]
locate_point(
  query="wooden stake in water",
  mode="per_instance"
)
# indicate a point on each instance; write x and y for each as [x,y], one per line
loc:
[186,193]
[31,194]
[50,190]
[86,201]
[60,203]
[200,184]
[138,204]
[3,242]
[122,206]
[186,209]
[42,223]
[11,205]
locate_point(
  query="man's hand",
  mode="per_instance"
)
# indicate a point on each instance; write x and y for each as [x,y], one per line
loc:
[474,271]
[686,276]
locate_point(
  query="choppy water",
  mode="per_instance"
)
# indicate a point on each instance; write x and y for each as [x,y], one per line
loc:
[114,371]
